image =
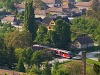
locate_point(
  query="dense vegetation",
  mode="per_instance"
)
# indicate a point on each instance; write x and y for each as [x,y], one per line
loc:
[16,45]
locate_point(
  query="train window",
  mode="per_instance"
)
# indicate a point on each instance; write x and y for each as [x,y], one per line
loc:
[69,52]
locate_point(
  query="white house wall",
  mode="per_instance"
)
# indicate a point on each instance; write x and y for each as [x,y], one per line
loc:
[50,5]
[38,16]
[84,46]
[21,10]
[90,44]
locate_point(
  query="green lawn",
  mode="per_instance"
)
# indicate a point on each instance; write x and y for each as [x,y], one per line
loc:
[89,65]
[92,61]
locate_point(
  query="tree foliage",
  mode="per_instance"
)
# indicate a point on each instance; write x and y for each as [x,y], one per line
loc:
[61,72]
[63,32]
[96,68]
[18,39]
[83,25]
[7,56]
[75,68]
[47,69]
[27,55]
[97,34]
[41,33]
[51,38]
[29,21]
[95,12]
[35,70]
[55,68]
[20,67]
[40,56]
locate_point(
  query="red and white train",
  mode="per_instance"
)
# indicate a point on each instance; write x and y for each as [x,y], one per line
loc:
[56,51]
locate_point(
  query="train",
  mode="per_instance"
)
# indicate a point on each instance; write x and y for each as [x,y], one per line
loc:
[56,51]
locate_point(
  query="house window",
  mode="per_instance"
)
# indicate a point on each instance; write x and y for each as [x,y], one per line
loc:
[49,27]
[52,23]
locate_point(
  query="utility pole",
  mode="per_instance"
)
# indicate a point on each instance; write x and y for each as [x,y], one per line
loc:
[83,62]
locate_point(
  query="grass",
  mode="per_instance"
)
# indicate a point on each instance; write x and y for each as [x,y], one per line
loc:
[89,65]
[92,61]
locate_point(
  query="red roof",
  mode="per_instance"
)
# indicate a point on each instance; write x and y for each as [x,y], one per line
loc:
[86,4]
[21,6]
[40,12]
[9,18]
[54,9]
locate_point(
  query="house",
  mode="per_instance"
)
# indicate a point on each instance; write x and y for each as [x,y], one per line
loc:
[67,8]
[64,2]
[5,14]
[54,10]
[84,5]
[49,22]
[51,3]
[9,19]
[40,13]
[83,42]
[20,7]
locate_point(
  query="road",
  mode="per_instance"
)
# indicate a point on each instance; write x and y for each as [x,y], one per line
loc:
[91,55]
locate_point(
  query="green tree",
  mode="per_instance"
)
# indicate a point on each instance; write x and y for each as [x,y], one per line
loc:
[41,56]
[96,68]
[29,21]
[37,57]
[41,33]
[97,34]
[62,29]
[8,4]
[19,53]
[61,72]
[18,39]
[75,68]
[51,38]
[83,25]
[47,69]
[27,55]
[11,56]
[20,67]
[7,56]
[35,70]
[95,12]
[55,68]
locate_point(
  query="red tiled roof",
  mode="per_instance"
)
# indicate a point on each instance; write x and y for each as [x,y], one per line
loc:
[86,4]
[9,18]
[54,9]
[40,12]
[21,6]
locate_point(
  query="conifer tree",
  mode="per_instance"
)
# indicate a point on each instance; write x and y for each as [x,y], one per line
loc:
[20,67]
[55,68]
[63,32]
[29,19]
[47,69]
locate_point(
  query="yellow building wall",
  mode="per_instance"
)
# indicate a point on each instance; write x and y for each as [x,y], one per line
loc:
[51,25]
[64,3]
